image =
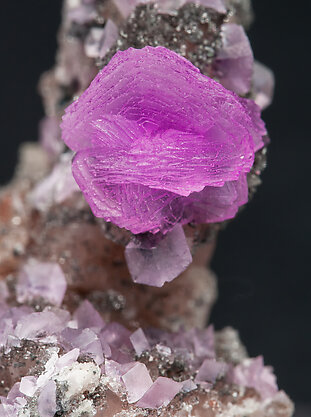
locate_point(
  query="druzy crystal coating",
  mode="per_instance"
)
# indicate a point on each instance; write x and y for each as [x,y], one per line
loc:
[84,355]
[167,6]
[158,143]
[159,263]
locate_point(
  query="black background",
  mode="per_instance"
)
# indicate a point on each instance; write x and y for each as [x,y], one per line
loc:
[263,258]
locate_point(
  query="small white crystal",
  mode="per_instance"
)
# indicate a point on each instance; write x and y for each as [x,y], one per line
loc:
[85,409]
[28,385]
[78,378]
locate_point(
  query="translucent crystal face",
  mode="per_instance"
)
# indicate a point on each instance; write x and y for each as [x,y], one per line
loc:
[159,264]
[234,62]
[157,142]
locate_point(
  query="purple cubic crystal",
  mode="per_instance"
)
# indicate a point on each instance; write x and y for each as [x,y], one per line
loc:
[116,370]
[160,263]
[158,143]
[32,326]
[234,61]
[210,371]
[137,382]
[12,405]
[68,359]
[110,36]
[41,280]
[160,394]
[139,341]
[252,373]
[85,340]
[87,316]
[116,335]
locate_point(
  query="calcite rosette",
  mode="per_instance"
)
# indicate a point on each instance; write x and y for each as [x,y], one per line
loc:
[158,143]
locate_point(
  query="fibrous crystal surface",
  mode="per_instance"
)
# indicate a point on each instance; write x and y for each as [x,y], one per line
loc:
[152,129]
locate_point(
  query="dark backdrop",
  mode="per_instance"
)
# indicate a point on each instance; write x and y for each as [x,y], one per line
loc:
[263,258]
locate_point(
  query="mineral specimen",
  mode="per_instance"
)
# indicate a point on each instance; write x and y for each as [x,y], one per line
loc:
[160,148]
